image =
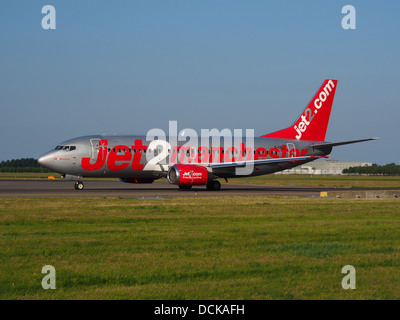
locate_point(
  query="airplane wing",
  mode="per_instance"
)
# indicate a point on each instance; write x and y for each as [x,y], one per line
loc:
[223,169]
[238,164]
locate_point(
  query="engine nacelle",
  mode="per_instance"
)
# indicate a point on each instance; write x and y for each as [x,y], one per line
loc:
[136,180]
[188,174]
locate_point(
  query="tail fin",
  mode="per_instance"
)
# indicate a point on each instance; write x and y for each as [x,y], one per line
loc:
[313,122]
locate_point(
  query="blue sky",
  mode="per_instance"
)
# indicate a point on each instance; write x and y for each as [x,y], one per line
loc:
[124,67]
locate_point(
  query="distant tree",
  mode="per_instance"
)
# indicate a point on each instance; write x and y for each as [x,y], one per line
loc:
[21,165]
[390,169]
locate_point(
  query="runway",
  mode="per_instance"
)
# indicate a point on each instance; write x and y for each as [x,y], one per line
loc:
[101,188]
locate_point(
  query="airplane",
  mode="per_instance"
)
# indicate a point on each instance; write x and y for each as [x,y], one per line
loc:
[133,159]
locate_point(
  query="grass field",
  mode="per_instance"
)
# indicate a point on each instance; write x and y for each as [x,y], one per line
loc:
[202,248]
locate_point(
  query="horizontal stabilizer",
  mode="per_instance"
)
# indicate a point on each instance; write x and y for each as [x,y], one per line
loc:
[334,144]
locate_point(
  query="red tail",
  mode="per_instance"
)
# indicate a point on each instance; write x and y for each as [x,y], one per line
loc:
[313,122]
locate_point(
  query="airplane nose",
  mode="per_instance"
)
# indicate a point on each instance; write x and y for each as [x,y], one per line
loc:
[40,160]
[45,160]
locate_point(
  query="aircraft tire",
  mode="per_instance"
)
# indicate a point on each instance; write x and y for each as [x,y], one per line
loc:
[214,185]
[185,187]
[79,186]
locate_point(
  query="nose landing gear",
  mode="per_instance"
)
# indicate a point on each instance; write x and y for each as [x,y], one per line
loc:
[79,185]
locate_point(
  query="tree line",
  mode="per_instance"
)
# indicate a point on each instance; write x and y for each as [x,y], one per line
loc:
[390,169]
[21,166]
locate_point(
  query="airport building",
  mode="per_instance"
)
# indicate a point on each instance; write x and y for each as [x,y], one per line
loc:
[325,167]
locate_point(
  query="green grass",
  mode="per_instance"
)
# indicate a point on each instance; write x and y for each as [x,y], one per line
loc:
[202,248]
[27,175]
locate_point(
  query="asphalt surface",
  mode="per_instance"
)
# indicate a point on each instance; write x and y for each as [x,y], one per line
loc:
[99,189]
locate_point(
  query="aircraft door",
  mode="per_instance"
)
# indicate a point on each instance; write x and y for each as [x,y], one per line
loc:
[94,151]
[290,147]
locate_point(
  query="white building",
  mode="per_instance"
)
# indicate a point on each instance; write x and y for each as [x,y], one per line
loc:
[325,167]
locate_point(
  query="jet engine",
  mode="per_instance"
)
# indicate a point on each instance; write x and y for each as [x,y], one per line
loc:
[188,175]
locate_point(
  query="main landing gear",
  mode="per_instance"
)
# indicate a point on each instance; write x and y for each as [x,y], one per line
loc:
[214,185]
[185,187]
[79,185]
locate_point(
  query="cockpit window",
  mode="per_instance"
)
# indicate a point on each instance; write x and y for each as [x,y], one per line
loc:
[65,148]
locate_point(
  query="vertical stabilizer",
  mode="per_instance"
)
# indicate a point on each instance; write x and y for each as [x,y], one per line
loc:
[313,122]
